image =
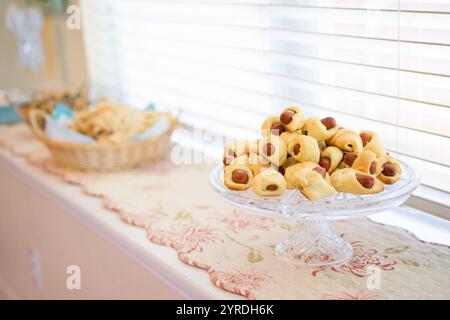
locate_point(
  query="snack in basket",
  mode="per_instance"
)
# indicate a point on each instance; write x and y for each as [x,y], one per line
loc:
[105,137]
[49,99]
[113,123]
[317,157]
[269,183]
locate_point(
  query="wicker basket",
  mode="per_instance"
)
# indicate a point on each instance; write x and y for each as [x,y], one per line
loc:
[24,111]
[101,158]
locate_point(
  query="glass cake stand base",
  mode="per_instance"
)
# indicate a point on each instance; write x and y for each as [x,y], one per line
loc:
[314,244]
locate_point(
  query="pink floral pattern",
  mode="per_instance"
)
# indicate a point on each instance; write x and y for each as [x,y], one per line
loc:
[186,238]
[236,221]
[249,279]
[363,256]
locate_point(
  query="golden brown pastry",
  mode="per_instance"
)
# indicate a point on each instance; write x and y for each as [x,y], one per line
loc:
[293,119]
[356,182]
[391,170]
[269,183]
[330,158]
[371,141]
[258,164]
[272,125]
[274,149]
[347,140]
[238,177]
[321,130]
[286,136]
[290,171]
[244,160]
[367,162]
[113,123]
[313,183]
[304,148]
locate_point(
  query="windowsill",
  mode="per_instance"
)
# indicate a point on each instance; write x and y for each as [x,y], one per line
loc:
[432,201]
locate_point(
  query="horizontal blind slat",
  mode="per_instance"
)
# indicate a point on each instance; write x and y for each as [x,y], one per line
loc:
[432,119]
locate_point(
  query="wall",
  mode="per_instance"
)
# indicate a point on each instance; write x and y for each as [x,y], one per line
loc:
[65,61]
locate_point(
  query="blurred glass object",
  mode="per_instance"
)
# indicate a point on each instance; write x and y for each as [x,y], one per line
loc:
[26,24]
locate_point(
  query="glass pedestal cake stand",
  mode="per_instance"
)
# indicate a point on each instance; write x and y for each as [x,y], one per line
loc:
[313,242]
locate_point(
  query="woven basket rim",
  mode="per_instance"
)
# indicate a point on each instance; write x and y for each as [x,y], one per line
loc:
[96,145]
[173,123]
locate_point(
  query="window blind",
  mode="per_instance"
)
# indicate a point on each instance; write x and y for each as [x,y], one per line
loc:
[382,65]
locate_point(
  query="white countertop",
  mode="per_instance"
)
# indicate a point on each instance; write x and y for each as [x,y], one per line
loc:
[188,281]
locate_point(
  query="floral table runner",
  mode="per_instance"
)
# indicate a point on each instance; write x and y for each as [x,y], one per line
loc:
[176,207]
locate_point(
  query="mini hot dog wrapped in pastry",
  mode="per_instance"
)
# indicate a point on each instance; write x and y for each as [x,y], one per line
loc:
[304,148]
[347,140]
[273,148]
[371,141]
[330,158]
[238,177]
[391,170]
[313,183]
[367,162]
[356,182]
[272,125]
[269,183]
[321,130]
[293,118]
[290,171]
[347,160]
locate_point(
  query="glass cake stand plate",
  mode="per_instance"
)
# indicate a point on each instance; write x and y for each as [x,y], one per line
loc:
[313,242]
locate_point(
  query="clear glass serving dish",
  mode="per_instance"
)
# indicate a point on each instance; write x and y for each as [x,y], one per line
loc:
[313,242]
